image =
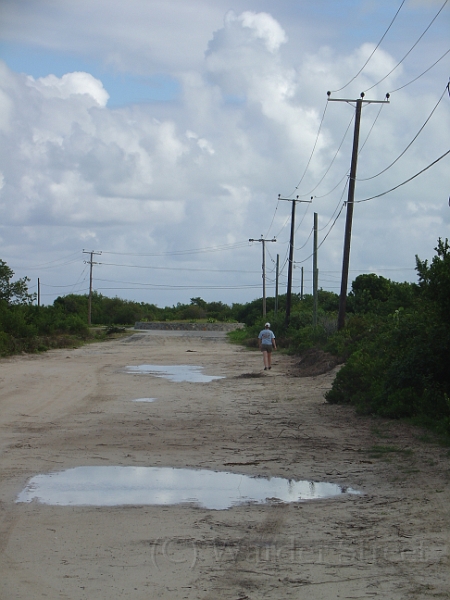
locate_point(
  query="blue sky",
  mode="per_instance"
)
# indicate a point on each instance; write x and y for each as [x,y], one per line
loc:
[123,88]
[156,127]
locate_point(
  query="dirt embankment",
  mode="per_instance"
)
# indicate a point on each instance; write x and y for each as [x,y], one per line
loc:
[71,408]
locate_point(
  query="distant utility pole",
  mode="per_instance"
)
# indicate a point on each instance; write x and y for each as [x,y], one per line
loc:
[91,263]
[291,255]
[276,284]
[263,241]
[39,293]
[315,273]
[301,284]
[350,200]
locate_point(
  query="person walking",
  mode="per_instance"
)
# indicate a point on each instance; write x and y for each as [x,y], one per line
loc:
[266,342]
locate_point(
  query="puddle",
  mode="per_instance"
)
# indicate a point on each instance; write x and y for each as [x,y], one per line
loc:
[145,400]
[177,373]
[114,486]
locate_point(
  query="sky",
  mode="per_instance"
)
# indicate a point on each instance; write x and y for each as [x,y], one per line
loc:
[162,135]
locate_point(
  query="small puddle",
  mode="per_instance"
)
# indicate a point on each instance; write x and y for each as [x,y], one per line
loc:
[114,486]
[177,373]
[145,400]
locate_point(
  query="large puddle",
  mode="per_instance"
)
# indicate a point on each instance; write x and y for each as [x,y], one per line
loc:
[113,486]
[177,373]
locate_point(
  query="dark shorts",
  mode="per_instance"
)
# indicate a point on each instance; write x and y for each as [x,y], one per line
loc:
[266,348]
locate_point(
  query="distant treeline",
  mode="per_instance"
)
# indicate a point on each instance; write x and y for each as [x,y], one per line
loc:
[395,346]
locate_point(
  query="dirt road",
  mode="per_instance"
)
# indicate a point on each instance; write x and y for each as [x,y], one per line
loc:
[71,408]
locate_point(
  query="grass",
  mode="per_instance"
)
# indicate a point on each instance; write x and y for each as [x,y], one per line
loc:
[241,336]
[386,451]
[384,434]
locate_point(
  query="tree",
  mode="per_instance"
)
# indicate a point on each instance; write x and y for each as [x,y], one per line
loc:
[198,302]
[368,291]
[13,292]
[434,279]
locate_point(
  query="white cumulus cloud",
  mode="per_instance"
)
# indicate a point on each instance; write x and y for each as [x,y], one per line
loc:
[207,169]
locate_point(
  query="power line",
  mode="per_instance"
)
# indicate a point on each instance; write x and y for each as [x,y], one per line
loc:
[405,182]
[273,219]
[410,143]
[307,239]
[334,158]
[337,207]
[373,52]
[291,255]
[53,266]
[299,262]
[91,263]
[182,287]
[371,129]
[350,202]
[423,73]
[410,50]
[338,150]
[263,241]
[183,252]
[312,152]
[181,268]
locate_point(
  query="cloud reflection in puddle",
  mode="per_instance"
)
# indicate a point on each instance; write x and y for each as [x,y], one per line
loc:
[177,373]
[144,400]
[116,485]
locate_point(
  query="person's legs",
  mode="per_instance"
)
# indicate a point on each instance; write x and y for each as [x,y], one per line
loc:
[269,360]
[266,359]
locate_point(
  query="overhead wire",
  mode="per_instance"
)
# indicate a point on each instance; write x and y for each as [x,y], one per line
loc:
[337,207]
[306,241]
[410,50]
[373,52]
[273,218]
[156,286]
[371,129]
[272,259]
[407,180]
[312,151]
[324,112]
[410,143]
[333,159]
[181,268]
[419,76]
[337,152]
[283,226]
[53,266]
[304,216]
[184,252]
[325,237]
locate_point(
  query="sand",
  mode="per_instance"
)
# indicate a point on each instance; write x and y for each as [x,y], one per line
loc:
[70,408]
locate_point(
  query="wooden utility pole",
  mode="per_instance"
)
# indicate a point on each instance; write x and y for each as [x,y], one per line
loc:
[276,284]
[39,292]
[315,273]
[291,255]
[350,200]
[263,241]
[91,263]
[301,284]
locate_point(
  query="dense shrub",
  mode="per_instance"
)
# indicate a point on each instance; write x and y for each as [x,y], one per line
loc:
[399,365]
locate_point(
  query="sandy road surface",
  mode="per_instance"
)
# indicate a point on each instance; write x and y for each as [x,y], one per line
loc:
[72,408]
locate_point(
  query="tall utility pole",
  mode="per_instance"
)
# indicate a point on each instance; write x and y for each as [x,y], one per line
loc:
[263,241]
[291,255]
[315,273]
[350,200]
[91,263]
[301,284]
[276,284]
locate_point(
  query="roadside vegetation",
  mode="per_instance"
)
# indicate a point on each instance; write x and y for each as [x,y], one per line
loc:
[394,348]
